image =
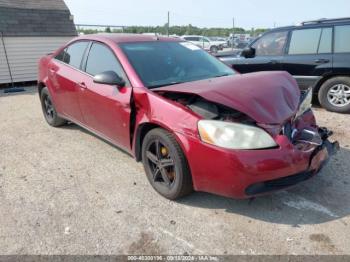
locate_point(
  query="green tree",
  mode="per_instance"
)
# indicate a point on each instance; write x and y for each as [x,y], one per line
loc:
[178,30]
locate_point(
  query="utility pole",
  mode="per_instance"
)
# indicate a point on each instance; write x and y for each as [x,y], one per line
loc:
[167,27]
[233,31]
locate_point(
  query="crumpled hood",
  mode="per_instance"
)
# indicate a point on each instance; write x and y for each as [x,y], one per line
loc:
[267,97]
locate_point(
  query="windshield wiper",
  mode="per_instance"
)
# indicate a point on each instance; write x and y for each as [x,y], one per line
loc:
[167,84]
[225,74]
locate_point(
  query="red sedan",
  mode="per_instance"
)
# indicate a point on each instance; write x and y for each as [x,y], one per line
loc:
[192,121]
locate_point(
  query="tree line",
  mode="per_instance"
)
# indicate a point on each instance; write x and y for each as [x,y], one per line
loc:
[176,30]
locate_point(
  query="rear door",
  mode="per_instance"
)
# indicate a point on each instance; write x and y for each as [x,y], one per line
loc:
[269,51]
[341,56]
[309,55]
[106,108]
[65,74]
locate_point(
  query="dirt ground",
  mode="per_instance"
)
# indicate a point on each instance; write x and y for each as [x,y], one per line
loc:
[65,191]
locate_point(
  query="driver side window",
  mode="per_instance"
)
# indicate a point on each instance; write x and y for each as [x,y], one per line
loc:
[270,44]
[102,59]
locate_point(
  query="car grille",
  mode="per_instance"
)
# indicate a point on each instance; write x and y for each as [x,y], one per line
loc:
[287,130]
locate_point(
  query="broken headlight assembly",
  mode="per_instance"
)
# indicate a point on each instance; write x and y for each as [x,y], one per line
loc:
[305,103]
[234,135]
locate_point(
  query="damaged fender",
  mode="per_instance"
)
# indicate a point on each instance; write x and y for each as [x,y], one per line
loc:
[166,114]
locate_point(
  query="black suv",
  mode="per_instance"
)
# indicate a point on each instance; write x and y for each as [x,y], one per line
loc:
[316,53]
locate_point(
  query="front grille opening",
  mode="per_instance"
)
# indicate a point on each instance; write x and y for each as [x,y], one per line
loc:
[277,184]
[287,130]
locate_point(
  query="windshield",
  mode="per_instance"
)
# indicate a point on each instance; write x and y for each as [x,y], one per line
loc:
[166,63]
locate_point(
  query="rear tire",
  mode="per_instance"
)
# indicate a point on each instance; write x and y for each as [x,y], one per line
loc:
[165,164]
[334,94]
[49,110]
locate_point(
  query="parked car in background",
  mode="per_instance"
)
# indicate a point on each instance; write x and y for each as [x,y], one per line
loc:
[220,40]
[316,53]
[237,43]
[193,121]
[204,42]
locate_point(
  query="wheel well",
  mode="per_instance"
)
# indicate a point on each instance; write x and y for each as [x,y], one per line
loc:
[40,87]
[142,130]
[324,79]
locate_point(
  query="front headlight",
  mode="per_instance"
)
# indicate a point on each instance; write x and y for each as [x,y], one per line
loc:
[234,135]
[305,103]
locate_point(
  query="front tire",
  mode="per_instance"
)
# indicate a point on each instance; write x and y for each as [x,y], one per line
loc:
[334,94]
[214,49]
[166,165]
[49,110]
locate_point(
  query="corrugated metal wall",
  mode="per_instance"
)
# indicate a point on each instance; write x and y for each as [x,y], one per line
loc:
[23,54]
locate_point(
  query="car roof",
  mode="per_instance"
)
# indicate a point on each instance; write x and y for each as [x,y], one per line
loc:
[127,38]
[314,24]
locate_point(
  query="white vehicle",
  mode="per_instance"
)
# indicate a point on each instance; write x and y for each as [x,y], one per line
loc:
[220,40]
[204,42]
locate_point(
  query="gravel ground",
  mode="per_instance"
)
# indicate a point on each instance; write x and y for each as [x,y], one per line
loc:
[65,191]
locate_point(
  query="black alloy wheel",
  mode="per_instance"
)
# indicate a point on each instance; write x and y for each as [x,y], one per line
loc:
[48,108]
[165,164]
[161,164]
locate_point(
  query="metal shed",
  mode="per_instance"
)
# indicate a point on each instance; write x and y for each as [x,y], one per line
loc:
[31,29]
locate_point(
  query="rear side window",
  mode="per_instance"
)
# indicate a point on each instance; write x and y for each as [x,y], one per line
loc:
[270,44]
[60,56]
[325,45]
[304,41]
[342,39]
[311,41]
[73,54]
[102,59]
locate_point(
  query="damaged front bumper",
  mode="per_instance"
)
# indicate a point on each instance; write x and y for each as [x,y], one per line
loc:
[248,173]
[318,158]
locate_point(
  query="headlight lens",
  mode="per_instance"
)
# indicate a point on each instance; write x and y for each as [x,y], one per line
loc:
[234,135]
[305,104]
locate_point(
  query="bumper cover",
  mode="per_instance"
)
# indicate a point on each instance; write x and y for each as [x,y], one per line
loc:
[247,173]
[318,159]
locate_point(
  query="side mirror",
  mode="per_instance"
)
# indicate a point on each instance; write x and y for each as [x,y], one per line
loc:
[109,78]
[248,52]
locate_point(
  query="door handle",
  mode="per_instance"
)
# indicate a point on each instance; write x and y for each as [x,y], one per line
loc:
[321,61]
[273,61]
[82,85]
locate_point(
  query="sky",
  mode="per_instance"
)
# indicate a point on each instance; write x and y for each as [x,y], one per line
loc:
[206,13]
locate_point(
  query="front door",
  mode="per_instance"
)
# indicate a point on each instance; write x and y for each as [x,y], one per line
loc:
[106,108]
[269,51]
